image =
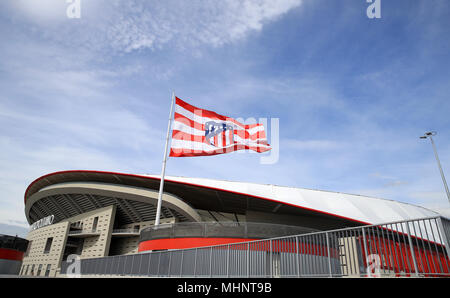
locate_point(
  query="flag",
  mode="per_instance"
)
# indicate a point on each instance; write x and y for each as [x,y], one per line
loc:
[199,132]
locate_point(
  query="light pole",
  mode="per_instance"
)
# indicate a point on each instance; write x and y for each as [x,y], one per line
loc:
[430,135]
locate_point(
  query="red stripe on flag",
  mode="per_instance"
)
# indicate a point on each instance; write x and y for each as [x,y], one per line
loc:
[210,114]
[175,152]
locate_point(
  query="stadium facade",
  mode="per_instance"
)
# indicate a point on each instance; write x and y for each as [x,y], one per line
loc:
[97,214]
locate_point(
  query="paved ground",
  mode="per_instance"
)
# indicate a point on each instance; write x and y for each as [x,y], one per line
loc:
[15,276]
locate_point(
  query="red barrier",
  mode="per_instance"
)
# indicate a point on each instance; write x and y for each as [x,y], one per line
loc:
[11,254]
[396,256]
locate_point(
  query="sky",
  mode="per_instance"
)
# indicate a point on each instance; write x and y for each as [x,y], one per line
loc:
[352,95]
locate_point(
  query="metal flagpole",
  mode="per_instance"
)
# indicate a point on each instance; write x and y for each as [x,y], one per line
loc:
[430,134]
[161,185]
[440,168]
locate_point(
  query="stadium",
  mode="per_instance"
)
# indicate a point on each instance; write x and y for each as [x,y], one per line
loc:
[221,228]
[12,250]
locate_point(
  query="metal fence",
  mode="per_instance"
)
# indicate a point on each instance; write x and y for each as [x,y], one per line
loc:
[406,248]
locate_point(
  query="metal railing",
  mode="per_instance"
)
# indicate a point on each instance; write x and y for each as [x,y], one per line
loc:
[89,231]
[405,248]
[222,230]
[125,231]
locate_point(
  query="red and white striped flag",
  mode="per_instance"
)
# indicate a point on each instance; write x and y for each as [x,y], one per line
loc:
[199,132]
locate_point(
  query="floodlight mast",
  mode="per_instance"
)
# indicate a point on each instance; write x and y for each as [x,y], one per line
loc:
[430,135]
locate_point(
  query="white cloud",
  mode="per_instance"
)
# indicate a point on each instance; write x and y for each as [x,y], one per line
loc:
[126,26]
[195,22]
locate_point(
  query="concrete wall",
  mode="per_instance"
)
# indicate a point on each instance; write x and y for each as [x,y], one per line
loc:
[220,216]
[93,247]
[129,245]
[98,246]
[294,220]
[35,254]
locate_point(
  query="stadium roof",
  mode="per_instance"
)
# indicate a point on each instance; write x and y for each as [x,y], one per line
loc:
[332,208]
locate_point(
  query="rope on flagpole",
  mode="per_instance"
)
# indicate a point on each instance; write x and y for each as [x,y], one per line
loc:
[163,171]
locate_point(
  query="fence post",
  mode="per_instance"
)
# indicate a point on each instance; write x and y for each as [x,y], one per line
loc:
[411,247]
[152,255]
[443,236]
[195,263]
[365,247]
[117,272]
[141,256]
[248,260]
[132,261]
[96,264]
[270,258]
[159,262]
[210,261]
[298,252]
[124,263]
[170,260]
[228,260]
[181,265]
[329,255]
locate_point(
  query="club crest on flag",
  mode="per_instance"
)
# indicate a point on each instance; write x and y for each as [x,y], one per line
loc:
[219,134]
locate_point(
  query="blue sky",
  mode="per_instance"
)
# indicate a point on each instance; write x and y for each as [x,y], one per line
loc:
[352,94]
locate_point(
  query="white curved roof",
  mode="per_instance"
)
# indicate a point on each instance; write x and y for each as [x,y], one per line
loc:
[360,208]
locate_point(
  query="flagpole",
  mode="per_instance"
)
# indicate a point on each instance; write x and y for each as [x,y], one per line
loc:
[161,185]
